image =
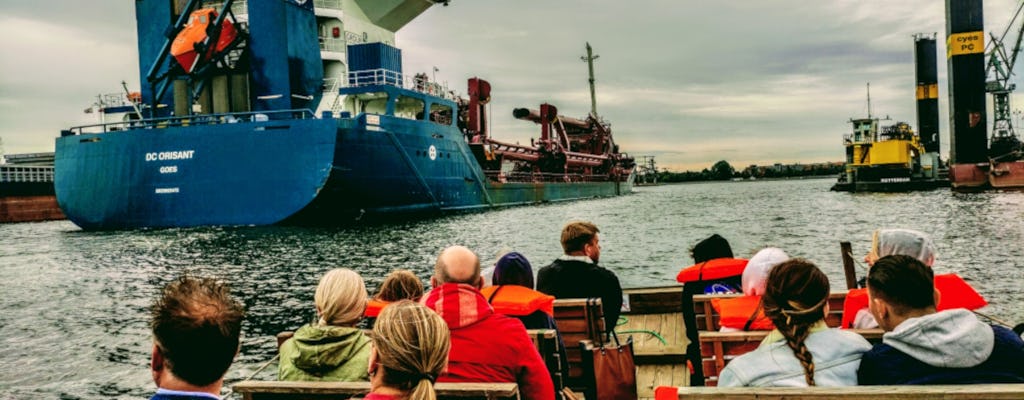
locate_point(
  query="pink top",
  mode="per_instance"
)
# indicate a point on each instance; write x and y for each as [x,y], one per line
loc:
[376,396]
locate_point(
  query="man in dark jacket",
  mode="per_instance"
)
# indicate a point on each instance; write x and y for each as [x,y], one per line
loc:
[486,347]
[922,346]
[576,274]
[196,328]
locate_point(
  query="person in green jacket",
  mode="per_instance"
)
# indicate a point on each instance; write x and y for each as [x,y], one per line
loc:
[332,348]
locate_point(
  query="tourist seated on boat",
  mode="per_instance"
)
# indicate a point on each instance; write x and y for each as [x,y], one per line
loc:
[715,265]
[196,328]
[400,284]
[331,348]
[486,346]
[802,350]
[744,313]
[576,274]
[926,346]
[410,350]
[887,242]
[511,293]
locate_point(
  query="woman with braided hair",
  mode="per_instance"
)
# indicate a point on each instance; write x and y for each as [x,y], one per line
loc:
[410,349]
[802,350]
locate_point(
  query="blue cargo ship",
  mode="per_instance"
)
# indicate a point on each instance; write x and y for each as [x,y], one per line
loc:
[237,124]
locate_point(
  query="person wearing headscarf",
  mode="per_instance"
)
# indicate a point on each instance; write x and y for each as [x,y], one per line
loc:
[755,275]
[893,242]
[332,348]
[907,242]
[744,312]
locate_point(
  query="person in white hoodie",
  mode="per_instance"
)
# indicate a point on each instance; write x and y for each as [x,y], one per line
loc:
[922,346]
[802,350]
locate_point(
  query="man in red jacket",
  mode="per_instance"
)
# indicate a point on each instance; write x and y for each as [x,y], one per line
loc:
[486,347]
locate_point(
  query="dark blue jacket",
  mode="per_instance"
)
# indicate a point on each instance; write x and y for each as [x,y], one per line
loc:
[884,365]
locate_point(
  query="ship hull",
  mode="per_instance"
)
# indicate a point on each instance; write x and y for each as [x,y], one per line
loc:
[251,173]
[396,168]
[1007,175]
[308,172]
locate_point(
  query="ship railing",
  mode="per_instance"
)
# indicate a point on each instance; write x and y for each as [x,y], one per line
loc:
[26,173]
[332,4]
[538,177]
[191,120]
[330,44]
[420,83]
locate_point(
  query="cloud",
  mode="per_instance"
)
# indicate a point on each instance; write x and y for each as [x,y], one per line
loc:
[690,82]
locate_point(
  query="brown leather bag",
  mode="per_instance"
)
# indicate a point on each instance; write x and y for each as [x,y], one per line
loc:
[609,368]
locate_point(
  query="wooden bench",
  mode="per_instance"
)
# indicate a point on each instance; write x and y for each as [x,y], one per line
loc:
[719,348]
[947,392]
[577,324]
[707,319]
[290,390]
[546,342]
[656,310]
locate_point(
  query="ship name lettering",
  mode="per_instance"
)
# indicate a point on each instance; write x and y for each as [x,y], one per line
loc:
[170,155]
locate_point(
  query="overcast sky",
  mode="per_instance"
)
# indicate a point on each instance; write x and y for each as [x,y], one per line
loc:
[750,82]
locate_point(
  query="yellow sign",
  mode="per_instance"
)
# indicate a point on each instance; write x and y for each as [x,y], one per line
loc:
[963,43]
[928,91]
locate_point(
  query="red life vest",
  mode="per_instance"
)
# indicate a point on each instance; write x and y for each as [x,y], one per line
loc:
[374,306]
[518,300]
[856,300]
[954,292]
[734,313]
[719,268]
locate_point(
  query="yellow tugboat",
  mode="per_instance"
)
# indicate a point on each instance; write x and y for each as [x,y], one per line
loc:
[892,160]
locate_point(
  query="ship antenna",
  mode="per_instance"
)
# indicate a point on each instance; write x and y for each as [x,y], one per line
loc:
[869,100]
[590,63]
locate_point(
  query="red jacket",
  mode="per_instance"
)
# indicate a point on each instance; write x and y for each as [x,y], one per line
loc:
[488,347]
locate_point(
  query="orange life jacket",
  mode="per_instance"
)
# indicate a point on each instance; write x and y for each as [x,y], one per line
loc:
[719,268]
[736,311]
[518,300]
[954,292]
[374,306]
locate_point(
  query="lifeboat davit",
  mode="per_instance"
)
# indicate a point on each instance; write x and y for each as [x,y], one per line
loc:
[193,39]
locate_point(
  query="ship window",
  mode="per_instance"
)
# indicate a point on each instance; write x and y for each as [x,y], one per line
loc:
[372,102]
[409,107]
[441,114]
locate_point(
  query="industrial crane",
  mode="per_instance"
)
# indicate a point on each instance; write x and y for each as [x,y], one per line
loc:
[1004,142]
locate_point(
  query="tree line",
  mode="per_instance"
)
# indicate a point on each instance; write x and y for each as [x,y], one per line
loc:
[723,171]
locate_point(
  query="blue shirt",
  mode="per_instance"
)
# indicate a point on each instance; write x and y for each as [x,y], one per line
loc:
[164,394]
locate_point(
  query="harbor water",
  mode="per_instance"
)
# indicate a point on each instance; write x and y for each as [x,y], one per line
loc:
[74,320]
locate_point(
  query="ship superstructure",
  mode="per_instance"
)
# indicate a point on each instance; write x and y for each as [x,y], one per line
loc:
[243,125]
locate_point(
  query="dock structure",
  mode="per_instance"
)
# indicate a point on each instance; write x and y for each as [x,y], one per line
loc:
[647,171]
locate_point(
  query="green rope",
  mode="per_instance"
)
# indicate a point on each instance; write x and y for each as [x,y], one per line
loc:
[649,332]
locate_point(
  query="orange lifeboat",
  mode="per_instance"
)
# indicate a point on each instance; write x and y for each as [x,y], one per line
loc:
[192,40]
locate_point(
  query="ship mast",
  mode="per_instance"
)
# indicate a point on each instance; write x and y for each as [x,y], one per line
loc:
[869,100]
[590,63]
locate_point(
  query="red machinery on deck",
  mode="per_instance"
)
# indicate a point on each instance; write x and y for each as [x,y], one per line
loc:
[569,149]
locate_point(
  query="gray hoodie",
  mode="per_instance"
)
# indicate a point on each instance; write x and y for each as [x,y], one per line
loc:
[948,339]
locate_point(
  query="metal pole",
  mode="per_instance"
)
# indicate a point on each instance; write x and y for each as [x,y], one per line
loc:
[848,268]
[590,63]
